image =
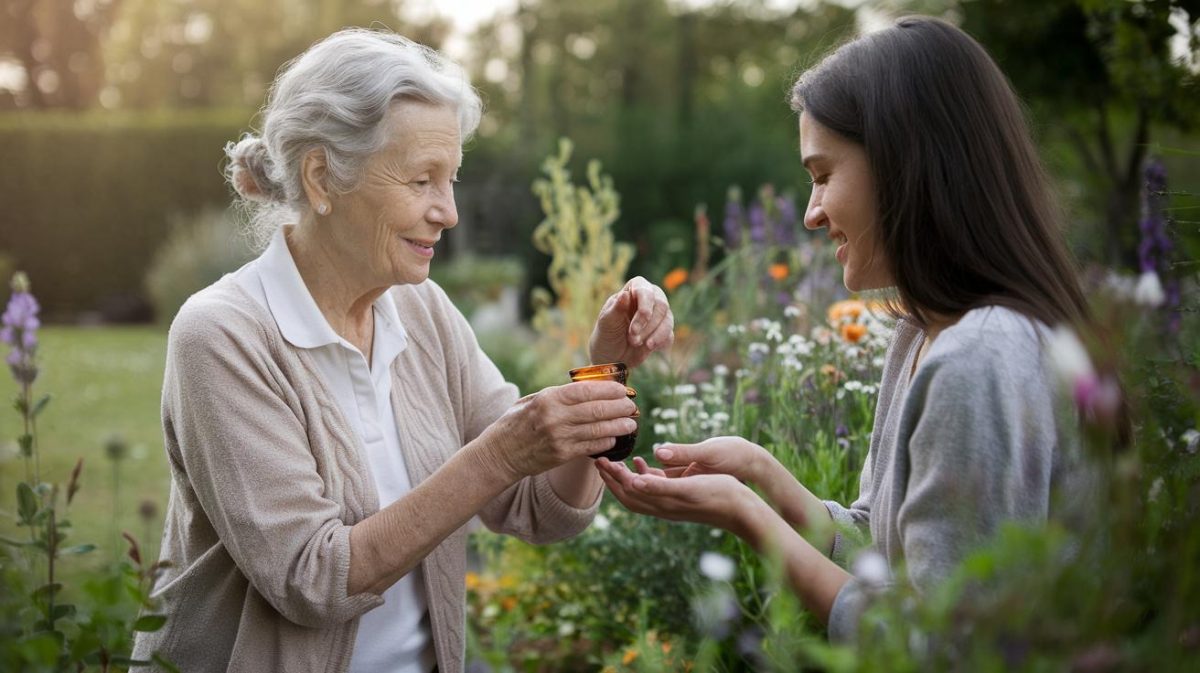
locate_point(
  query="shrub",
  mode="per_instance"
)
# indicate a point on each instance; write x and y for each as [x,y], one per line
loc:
[87,197]
[200,249]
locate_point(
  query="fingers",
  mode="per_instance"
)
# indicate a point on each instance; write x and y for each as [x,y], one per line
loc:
[642,467]
[581,392]
[652,322]
[679,454]
[600,410]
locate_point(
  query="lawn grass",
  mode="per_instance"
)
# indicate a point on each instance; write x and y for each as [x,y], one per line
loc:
[105,382]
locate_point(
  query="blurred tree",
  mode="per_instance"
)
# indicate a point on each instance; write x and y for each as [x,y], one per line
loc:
[56,45]
[1101,74]
[677,102]
[201,53]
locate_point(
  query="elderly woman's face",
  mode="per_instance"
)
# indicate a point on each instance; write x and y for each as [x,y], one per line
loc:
[406,197]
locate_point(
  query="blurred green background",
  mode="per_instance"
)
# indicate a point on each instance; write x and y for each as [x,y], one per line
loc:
[113,114]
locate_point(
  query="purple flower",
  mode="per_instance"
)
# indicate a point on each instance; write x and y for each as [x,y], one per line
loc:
[785,226]
[735,215]
[18,329]
[758,224]
[1154,250]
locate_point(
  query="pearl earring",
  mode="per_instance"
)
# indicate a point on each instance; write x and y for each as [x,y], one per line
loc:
[322,209]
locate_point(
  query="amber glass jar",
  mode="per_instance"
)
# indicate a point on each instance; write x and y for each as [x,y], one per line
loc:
[614,371]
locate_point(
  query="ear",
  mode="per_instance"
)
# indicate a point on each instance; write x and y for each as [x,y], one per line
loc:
[314,179]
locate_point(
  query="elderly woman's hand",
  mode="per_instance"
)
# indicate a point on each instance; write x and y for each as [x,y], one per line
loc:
[635,322]
[555,425]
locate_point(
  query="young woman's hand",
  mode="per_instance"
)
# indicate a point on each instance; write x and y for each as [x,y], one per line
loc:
[634,322]
[734,456]
[713,499]
[558,424]
[747,462]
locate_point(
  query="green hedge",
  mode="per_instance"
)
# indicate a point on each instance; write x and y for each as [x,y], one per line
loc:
[85,200]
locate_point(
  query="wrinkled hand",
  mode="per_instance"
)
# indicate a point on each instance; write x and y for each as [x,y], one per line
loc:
[634,322]
[558,424]
[735,456]
[712,499]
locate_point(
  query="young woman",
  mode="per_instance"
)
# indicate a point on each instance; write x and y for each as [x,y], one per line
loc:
[925,176]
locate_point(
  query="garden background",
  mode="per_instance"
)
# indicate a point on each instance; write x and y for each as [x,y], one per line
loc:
[113,114]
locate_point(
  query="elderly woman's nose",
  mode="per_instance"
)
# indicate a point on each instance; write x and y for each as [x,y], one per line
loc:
[445,212]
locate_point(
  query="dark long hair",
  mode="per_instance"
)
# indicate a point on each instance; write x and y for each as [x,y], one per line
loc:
[966,216]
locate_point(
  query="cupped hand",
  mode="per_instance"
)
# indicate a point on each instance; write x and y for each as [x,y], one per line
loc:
[734,456]
[712,499]
[634,322]
[558,424]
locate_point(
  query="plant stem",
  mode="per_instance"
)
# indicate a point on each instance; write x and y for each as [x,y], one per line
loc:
[51,553]
[26,397]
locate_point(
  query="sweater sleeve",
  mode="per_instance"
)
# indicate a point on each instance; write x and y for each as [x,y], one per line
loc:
[979,436]
[244,451]
[529,509]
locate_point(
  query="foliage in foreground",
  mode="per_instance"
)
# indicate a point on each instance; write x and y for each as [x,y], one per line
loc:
[764,351]
[44,624]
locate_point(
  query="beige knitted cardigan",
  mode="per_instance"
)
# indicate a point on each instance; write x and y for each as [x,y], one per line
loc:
[267,479]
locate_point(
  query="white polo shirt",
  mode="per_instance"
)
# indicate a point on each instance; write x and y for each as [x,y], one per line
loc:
[395,637]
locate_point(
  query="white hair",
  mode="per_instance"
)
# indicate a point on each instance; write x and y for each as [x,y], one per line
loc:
[334,97]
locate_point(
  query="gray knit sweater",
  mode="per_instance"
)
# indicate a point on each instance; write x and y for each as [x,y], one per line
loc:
[267,480]
[974,439]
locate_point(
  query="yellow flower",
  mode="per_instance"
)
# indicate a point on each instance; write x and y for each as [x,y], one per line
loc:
[472,581]
[778,271]
[674,279]
[852,332]
[630,655]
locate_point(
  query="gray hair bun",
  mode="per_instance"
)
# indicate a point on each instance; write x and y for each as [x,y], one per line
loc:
[248,170]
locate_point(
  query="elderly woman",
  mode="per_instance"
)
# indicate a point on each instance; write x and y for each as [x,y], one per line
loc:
[330,420]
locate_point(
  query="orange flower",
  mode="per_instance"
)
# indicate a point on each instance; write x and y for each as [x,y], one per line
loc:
[683,333]
[508,603]
[630,655]
[472,581]
[778,271]
[852,332]
[848,309]
[674,279]
[666,648]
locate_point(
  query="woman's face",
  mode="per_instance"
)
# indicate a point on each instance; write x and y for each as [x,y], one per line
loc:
[406,197]
[843,200]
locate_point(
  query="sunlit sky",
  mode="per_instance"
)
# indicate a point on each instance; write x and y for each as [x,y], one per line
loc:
[468,14]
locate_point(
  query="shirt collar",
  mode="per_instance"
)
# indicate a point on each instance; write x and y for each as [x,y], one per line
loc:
[296,313]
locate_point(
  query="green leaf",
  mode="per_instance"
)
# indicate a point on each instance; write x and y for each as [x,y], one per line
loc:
[25,441]
[63,611]
[127,662]
[27,504]
[164,664]
[78,549]
[41,404]
[149,623]
[46,590]
[14,543]
[20,406]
